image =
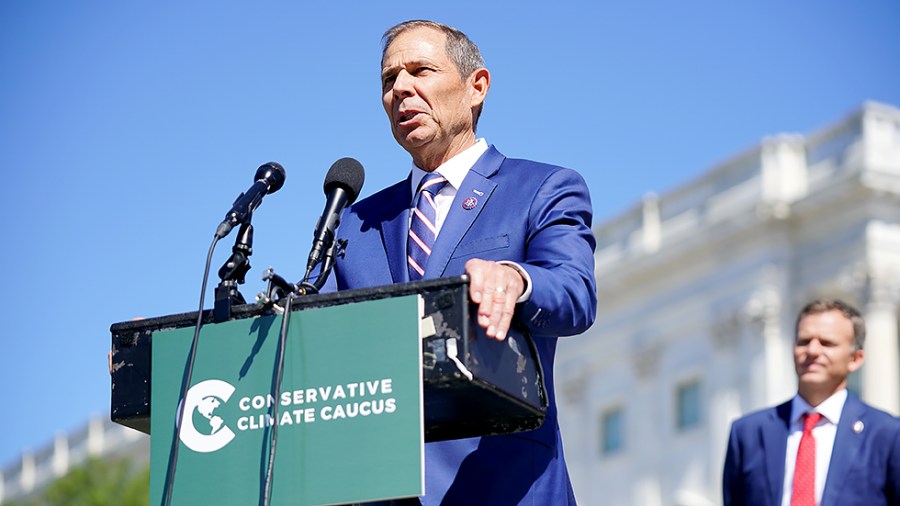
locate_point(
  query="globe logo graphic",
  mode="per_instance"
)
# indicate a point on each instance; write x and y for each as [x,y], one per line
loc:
[202,429]
[205,419]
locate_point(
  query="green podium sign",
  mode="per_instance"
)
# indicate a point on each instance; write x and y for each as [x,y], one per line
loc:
[348,415]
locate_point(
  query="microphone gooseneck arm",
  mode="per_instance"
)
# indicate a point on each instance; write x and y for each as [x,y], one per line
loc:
[233,273]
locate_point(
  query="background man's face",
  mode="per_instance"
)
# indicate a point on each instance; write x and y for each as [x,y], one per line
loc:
[823,351]
[427,102]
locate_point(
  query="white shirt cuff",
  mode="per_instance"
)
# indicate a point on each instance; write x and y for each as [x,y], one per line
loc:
[527,293]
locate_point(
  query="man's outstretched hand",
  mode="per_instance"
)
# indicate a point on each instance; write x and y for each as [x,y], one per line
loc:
[495,288]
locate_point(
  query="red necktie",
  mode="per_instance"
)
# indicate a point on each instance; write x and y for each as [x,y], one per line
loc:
[804,492]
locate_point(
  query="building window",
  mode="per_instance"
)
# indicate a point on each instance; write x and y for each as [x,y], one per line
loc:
[612,437]
[688,405]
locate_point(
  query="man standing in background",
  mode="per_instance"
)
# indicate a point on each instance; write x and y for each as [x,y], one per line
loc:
[825,446]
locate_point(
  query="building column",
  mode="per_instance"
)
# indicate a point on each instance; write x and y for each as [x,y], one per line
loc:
[881,369]
[647,421]
[29,472]
[774,369]
[60,454]
[573,393]
[96,436]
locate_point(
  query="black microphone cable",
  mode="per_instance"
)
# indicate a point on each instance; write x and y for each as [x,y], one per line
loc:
[269,178]
[276,389]
[186,382]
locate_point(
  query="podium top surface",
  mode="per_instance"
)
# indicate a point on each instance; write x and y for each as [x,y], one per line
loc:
[305,302]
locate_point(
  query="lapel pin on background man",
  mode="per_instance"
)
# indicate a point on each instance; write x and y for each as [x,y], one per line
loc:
[520,229]
[825,446]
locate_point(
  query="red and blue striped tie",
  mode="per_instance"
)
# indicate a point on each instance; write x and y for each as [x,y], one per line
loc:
[422,230]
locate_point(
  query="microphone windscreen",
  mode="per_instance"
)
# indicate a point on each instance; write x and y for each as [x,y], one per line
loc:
[273,174]
[347,173]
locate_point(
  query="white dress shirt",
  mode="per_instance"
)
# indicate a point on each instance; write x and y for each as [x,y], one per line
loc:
[824,433]
[454,171]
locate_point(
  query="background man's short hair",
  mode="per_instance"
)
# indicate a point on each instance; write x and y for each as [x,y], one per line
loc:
[824,305]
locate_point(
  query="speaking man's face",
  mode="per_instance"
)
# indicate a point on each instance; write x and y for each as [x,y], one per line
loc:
[427,102]
[823,352]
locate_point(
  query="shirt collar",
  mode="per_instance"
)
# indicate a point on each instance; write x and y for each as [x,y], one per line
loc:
[454,169]
[830,408]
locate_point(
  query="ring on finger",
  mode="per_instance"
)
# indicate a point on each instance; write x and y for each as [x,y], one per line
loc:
[501,289]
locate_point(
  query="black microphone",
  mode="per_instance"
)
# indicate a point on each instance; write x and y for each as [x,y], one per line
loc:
[343,183]
[269,179]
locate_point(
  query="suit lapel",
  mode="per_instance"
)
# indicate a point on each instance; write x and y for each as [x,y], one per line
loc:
[847,443]
[774,441]
[395,229]
[477,186]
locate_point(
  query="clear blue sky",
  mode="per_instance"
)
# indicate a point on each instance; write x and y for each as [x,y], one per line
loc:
[127,129]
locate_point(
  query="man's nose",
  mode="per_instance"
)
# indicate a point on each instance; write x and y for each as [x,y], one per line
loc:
[403,86]
[814,347]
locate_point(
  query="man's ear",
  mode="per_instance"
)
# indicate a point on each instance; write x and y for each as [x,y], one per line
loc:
[856,360]
[479,84]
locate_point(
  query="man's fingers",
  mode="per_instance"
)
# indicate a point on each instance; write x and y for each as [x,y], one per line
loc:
[486,312]
[494,288]
[476,279]
[504,308]
[506,316]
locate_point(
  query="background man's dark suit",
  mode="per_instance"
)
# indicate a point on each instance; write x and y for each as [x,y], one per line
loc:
[864,468]
[865,462]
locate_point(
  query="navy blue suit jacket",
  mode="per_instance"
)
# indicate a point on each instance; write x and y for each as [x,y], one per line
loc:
[534,214]
[864,468]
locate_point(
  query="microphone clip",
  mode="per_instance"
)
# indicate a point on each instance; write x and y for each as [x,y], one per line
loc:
[277,290]
[233,273]
[341,248]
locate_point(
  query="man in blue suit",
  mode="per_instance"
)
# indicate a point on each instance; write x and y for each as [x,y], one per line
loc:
[521,230]
[825,446]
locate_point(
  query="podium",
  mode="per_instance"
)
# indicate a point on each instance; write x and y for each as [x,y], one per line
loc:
[471,385]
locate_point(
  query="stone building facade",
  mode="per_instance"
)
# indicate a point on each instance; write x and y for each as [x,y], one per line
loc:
[698,293]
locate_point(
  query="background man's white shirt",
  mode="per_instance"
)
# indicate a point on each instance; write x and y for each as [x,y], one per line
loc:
[824,433]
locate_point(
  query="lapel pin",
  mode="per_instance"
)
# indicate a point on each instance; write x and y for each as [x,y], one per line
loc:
[470,203]
[478,192]
[858,426]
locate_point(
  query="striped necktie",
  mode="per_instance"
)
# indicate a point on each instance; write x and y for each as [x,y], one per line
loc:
[422,230]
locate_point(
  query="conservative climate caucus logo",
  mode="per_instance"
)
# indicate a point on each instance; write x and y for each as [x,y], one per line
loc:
[208,418]
[202,430]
